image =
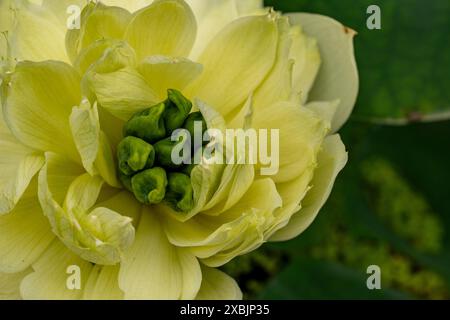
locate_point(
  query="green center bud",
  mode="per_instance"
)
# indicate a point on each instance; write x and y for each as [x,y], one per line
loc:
[148,142]
[147,124]
[179,192]
[149,186]
[134,155]
[177,110]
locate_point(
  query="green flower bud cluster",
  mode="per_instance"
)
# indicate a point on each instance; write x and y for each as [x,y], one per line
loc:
[145,154]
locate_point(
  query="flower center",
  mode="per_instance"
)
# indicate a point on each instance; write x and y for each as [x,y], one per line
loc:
[146,154]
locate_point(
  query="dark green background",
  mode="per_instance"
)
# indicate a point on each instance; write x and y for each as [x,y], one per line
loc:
[391,204]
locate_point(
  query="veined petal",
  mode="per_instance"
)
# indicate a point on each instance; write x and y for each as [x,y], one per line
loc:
[105,55]
[277,85]
[164,73]
[29,26]
[92,144]
[331,160]
[217,240]
[122,100]
[306,56]
[324,109]
[24,233]
[292,194]
[103,284]
[130,5]
[10,285]
[167,27]
[236,61]
[217,285]
[338,76]
[212,16]
[155,269]
[98,234]
[51,277]
[300,138]
[235,182]
[40,97]
[97,22]
[18,165]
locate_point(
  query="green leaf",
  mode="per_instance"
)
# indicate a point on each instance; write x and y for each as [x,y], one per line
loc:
[313,279]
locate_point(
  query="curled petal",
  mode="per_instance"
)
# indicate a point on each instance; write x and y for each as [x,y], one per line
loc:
[39,100]
[216,285]
[166,27]
[236,61]
[331,161]
[338,76]
[99,234]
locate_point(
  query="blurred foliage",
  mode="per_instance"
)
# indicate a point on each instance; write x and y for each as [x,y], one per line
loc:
[404,66]
[390,206]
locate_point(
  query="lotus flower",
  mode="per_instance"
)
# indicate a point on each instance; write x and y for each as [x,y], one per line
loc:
[86,180]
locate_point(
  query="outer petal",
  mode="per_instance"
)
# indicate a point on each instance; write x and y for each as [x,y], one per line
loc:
[99,234]
[236,231]
[51,274]
[130,5]
[307,61]
[10,285]
[155,269]
[120,100]
[235,62]
[300,138]
[92,143]
[338,76]
[277,85]
[332,159]
[167,27]
[216,285]
[164,73]
[18,165]
[24,233]
[40,98]
[103,284]
[29,26]
[97,22]
[213,15]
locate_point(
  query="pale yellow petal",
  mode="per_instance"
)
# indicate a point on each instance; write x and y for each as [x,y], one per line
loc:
[10,285]
[40,98]
[103,284]
[24,233]
[299,138]
[331,161]
[51,279]
[218,239]
[130,5]
[155,269]
[217,285]
[92,144]
[307,61]
[98,234]
[18,165]
[123,100]
[97,22]
[236,62]
[164,73]
[166,27]
[338,76]
[277,85]
[30,26]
